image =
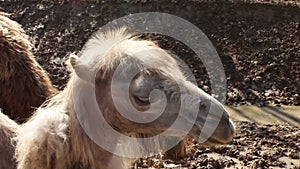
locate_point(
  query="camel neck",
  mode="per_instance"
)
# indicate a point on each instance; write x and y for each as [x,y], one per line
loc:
[88,153]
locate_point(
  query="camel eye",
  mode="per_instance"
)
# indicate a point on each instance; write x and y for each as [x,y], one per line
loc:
[142,101]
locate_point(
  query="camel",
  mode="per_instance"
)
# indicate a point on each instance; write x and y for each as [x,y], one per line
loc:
[58,135]
[24,85]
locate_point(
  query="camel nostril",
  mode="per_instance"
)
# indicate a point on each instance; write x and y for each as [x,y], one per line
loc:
[226,117]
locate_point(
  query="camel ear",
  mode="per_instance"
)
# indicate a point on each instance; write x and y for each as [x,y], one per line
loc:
[83,71]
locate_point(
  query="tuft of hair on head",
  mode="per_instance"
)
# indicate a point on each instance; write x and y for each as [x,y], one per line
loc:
[85,63]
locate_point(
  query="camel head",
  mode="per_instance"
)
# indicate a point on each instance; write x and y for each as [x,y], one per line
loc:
[142,90]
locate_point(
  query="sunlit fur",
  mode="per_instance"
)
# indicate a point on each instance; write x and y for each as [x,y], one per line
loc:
[8,129]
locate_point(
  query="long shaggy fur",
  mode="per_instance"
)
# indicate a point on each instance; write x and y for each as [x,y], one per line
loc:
[54,139]
[8,130]
[24,85]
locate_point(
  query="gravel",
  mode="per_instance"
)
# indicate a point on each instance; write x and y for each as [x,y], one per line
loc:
[254,146]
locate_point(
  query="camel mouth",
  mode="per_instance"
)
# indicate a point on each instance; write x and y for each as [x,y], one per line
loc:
[215,140]
[223,133]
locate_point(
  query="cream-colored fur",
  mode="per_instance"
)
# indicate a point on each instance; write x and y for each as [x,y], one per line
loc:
[8,129]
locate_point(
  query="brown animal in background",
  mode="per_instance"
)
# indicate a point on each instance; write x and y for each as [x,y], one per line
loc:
[24,85]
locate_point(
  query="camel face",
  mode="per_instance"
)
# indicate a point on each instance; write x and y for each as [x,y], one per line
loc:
[140,89]
[141,97]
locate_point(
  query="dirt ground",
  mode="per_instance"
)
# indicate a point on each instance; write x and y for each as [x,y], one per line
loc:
[254,146]
[257,41]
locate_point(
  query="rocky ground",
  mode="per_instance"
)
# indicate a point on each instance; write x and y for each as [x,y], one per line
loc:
[257,41]
[254,146]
